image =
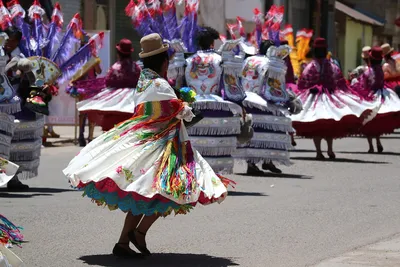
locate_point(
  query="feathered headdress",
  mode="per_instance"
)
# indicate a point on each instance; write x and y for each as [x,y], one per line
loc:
[40,41]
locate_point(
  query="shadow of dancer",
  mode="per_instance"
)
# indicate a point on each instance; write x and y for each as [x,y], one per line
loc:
[160,259]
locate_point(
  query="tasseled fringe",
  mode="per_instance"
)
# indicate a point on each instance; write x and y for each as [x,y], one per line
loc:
[215,151]
[221,165]
[28,169]
[10,108]
[24,126]
[8,128]
[5,150]
[27,135]
[7,123]
[249,104]
[198,130]
[25,175]
[25,155]
[214,105]
[9,233]
[269,144]
[5,139]
[256,155]
[273,127]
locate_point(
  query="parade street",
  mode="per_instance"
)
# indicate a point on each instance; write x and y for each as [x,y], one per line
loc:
[314,212]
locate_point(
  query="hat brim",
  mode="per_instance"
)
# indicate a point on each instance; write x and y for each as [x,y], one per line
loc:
[124,52]
[364,56]
[389,51]
[164,48]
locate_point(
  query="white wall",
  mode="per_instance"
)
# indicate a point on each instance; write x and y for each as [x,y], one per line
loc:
[242,8]
[69,8]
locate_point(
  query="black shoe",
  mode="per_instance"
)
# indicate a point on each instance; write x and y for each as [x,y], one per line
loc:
[271,167]
[124,253]
[142,249]
[252,169]
[380,149]
[82,142]
[17,187]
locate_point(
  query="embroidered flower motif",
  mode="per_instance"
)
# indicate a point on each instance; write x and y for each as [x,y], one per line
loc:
[142,171]
[116,137]
[128,175]
[215,181]
[119,169]
[157,83]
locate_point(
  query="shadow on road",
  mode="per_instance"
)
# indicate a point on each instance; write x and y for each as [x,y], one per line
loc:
[160,259]
[21,195]
[340,160]
[32,192]
[277,175]
[246,194]
[42,190]
[366,153]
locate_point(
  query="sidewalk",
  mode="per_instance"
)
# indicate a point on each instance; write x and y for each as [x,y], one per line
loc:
[383,254]
[67,134]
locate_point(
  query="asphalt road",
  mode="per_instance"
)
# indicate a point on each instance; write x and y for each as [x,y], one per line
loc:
[317,210]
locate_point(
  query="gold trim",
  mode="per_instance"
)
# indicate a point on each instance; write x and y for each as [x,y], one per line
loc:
[37,58]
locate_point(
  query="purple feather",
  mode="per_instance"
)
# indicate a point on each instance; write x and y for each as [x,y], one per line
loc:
[193,33]
[67,45]
[259,35]
[274,36]
[76,62]
[171,23]
[37,37]
[53,36]
[26,35]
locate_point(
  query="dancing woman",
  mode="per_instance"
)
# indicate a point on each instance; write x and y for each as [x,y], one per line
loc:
[330,108]
[372,85]
[113,103]
[146,165]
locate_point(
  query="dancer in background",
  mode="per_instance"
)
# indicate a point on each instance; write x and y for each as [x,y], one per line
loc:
[114,103]
[146,166]
[357,72]
[215,136]
[263,77]
[391,68]
[371,84]
[330,108]
[82,87]
[46,60]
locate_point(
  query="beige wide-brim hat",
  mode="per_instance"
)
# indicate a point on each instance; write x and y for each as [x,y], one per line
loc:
[386,49]
[365,52]
[152,45]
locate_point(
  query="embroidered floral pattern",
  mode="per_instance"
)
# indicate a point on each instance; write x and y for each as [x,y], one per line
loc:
[119,169]
[128,175]
[3,164]
[146,79]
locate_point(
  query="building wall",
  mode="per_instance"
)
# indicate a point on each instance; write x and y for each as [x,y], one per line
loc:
[354,43]
[69,8]
[124,28]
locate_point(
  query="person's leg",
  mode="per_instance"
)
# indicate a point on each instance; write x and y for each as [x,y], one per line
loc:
[138,237]
[82,124]
[329,142]
[122,249]
[292,139]
[51,132]
[317,144]
[131,222]
[379,144]
[371,146]
[91,130]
